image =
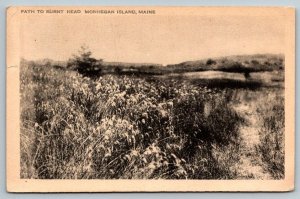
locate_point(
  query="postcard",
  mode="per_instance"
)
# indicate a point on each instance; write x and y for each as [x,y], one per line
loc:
[150,99]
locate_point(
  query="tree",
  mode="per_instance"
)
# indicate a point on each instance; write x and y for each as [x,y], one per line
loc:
[84,63]
[210,62]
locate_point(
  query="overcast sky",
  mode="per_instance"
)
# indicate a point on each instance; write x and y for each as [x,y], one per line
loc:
[152,38]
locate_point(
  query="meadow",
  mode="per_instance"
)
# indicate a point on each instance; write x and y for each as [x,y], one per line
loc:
[119,126]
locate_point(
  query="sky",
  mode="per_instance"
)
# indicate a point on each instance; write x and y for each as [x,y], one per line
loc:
[162,38]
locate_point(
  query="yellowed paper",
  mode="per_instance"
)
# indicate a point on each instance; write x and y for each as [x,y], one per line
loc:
[150,99]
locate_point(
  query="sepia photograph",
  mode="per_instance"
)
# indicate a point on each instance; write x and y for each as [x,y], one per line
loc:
[150,98]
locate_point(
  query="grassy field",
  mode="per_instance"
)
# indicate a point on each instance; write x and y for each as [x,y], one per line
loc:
[129,127]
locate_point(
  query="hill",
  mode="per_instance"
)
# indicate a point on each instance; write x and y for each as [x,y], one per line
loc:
[237,63]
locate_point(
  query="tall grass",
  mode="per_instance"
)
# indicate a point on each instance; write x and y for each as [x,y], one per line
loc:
[271,147]
[123,127]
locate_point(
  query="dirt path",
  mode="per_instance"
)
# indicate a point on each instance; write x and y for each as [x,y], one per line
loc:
[250,165]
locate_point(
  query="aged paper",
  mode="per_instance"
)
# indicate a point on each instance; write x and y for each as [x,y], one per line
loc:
[150,99]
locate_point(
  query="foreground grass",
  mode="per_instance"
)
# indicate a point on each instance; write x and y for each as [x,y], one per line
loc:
[271,147]
[124,127]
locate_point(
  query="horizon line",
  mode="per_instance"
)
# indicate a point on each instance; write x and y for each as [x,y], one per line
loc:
[162,64]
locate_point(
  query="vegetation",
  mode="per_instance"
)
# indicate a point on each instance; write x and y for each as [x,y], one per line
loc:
[78,125]
[235,64]
[121,127]
[85,64]
[272,139]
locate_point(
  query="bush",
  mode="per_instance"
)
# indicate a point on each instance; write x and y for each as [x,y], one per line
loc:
[84,63]
[210,62]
